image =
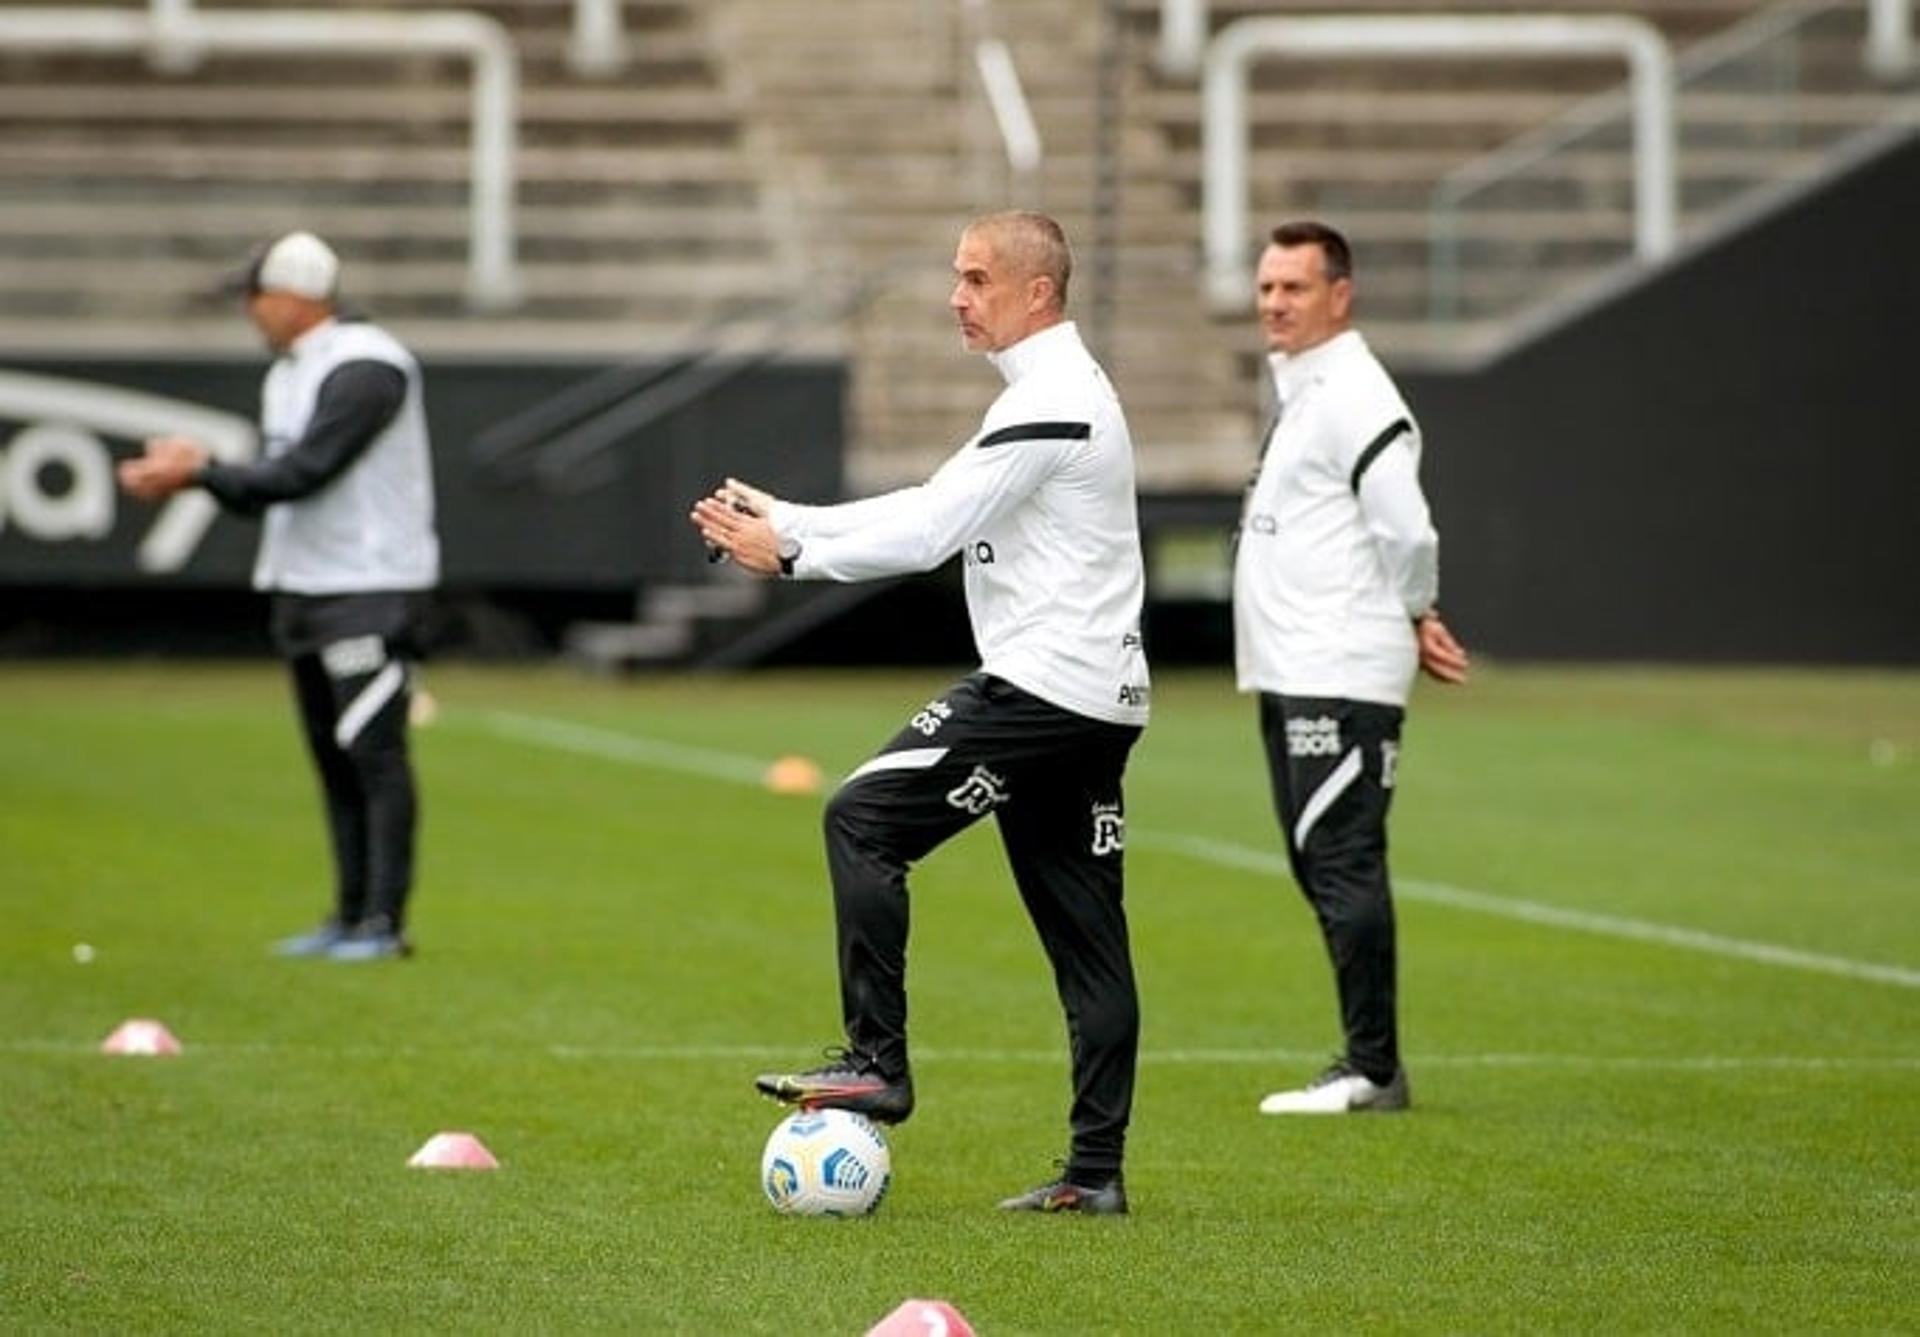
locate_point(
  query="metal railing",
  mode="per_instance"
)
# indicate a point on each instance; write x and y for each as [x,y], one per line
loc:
[1006,96]
[599,46]
[1231,55]
[1183,37]
[1889,51]
[572,442]
[175,37]
[1761,66]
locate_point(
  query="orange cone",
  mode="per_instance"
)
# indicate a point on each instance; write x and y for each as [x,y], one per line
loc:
[793,775]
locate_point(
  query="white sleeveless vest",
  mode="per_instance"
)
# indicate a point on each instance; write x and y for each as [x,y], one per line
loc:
[372,527]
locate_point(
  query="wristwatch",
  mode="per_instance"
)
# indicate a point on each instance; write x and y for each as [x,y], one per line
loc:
[789,551]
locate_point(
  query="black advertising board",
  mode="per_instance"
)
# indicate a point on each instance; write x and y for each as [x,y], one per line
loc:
[63,425]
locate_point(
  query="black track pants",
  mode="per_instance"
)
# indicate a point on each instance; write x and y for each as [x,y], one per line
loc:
[1052,779]
[1331,762]
[353,696]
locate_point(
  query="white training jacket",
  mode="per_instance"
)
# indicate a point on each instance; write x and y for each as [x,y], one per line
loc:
[1040,504]
[1337,553]
[372,527]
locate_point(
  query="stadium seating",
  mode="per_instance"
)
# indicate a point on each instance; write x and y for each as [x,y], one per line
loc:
[640,211]
[757,151]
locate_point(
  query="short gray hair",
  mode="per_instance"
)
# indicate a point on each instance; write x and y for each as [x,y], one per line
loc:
[1035,243]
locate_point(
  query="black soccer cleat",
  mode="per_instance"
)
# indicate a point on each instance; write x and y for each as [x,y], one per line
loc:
[848,1081]
[1063,1195]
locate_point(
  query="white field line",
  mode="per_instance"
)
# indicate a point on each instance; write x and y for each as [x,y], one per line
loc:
[611,745]
[936,1056]
[1580,921]
[615,746]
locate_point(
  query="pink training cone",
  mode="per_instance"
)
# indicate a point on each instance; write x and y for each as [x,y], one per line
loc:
[141,1035]
[922,1318]
[453,1151]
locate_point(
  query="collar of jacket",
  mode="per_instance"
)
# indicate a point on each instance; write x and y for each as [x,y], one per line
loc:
[1293,374]
[1018,360]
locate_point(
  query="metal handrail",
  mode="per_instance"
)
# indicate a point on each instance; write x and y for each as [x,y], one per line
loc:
[599,45]
[1006,95]
[1183,37]
[1889,49]
[565,444]
[1528,150]
[1889,52]
[1224,127]
[175,37]
[1008,99]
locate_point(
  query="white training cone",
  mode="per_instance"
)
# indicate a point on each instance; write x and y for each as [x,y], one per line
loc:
[453,1151]
[140,1036]
[922,1318]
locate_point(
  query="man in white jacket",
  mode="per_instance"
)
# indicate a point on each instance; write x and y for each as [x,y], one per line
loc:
[1040,505]
[1335,580]
[348,552]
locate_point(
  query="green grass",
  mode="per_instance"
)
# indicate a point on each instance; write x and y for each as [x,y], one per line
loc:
[1610,1134]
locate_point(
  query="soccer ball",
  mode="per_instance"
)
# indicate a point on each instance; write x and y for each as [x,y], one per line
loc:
[826,1163]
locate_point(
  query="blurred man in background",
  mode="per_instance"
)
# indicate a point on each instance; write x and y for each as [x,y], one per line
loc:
[1040,504]
[1335,578]
[348,551]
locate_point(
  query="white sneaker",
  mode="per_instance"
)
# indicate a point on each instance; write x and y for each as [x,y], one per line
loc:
[1341,1090]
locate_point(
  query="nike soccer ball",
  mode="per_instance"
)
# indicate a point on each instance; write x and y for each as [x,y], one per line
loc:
[826,1163]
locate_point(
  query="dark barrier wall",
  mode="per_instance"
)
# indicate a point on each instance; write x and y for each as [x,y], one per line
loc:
[1720,465]
[63,424]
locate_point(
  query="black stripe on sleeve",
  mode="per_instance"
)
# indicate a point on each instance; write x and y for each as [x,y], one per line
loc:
[1037,431]
[1372,452]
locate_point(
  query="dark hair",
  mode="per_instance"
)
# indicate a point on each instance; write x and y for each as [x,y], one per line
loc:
[1333,246]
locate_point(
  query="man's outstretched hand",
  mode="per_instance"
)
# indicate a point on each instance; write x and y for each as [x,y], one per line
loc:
[168,464]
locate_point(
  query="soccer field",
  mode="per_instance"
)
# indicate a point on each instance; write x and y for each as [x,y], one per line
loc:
[1660,940]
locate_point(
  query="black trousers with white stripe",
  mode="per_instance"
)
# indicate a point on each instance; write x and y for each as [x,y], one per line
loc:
[352,680]
[1331,763]
[1052,780]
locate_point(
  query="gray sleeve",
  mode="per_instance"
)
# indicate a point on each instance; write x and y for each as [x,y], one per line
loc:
[354,405]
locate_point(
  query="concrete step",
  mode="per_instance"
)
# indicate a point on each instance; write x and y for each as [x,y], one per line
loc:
[609,646]
[716,599]
[450,334]
[398,280]
[268,162]
[45,106]
[202,227]
[137,189]
[663,60]
[635,14]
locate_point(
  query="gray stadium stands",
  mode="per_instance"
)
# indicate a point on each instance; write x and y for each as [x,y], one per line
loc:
[754,151]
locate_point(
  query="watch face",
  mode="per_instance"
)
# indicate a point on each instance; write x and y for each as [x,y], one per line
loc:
[789,549]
